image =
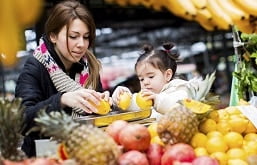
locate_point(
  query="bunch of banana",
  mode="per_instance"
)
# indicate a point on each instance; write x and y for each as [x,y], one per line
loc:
[15,16]
[210,14]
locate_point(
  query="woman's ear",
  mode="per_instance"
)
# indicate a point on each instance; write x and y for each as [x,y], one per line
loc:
[53,38]
[168,74]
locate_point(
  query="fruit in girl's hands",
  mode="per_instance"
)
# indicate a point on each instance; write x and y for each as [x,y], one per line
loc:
[205,160]
[124,101]
[114,129]
[135,137]
[154,154]
[133,157]
[178,152]
[103,108]
[142,102]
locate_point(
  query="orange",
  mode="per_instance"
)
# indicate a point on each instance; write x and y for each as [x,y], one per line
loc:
[236,153]
[199,140]
[234,139]
[142,102]
[207,126]
[216,144]
[201,151]
[221,157]
[103,108]
[124,101]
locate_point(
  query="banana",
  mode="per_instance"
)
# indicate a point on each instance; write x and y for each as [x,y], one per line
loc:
[25,13]
[245,26]
[204,14]
[219,16]
[182,8]
[199,4]
[233,10]
[10,32]
[134,2]
[207,25]
[249,6]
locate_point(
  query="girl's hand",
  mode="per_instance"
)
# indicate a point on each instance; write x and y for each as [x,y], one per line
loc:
[82,98]
[148,94]
[117,92]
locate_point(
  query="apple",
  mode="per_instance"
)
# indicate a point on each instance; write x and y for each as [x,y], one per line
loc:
[154,153]
[133,157]
[205,160]
[114,129]
[178,152]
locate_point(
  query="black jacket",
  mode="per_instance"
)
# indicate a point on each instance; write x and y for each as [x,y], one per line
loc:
[37,91]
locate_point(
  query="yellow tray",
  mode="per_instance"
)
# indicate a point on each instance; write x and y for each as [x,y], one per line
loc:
[104,120]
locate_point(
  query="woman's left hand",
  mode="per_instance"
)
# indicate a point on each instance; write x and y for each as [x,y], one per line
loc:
[106,96]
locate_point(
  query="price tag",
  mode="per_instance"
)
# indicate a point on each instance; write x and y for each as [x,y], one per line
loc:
[250,112]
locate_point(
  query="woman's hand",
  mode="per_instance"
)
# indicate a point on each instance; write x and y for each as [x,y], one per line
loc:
[106,96]
[117,92]
[83,99]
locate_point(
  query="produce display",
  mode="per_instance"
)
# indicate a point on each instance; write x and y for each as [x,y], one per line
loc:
[210,14]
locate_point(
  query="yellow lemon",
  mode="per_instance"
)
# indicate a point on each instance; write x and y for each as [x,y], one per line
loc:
[236,153]
[250,147]
[223,127]
[214,134]
[223,114]
[103,107]
[214,115]
[124,101]
[157,139]
[152,128]
[250,137]
[250,128]
[238,124]
[199,140]
[142,102]
[221,157]
[232,110]
[207,126]
[234,139]
[216,144]
[200,151]
[237,162]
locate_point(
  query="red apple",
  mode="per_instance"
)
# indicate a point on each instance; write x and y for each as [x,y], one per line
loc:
[178,152]
[154,154]
[114,129]
[205,160]
[133,157]
[135,137]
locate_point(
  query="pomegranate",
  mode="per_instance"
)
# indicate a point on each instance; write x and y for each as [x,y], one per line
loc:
[135,137]
[178,152]
[205,160]
[114,129]
[133,157]
[154,154]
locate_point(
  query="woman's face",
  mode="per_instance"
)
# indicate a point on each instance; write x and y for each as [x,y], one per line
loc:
[78,42]
[152,78]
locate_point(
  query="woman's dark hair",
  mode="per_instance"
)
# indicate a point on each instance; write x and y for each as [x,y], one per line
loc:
[62,15]
[163,59]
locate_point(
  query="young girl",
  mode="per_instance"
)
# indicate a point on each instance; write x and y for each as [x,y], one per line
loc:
[155,69]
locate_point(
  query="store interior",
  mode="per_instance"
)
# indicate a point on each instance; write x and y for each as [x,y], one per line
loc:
[122,30]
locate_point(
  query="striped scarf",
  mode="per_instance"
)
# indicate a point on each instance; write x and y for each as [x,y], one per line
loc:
[61,80]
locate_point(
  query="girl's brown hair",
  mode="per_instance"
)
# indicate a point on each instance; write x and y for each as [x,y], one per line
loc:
[62,15]
[163,59]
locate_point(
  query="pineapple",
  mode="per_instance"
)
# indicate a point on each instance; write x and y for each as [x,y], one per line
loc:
[181,123]
[11,119]
[85,143]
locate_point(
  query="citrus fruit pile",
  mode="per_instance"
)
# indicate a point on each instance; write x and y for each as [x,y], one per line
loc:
[226,135]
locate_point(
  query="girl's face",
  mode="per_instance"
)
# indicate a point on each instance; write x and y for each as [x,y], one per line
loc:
[152,78]
[78,42]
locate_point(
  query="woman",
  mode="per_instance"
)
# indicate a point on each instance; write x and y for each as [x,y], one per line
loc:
[62,73]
